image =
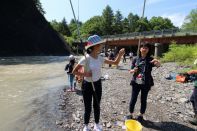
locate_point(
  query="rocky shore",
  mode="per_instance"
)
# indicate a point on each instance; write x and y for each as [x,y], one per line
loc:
[168,108]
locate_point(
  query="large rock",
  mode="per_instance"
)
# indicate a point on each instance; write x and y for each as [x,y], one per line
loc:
[24,31]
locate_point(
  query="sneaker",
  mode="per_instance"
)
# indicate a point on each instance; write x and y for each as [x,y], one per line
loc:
[73,90]
[128,117]
[97,127]
[69,90]
[140,118]
[86,128]
[194,120]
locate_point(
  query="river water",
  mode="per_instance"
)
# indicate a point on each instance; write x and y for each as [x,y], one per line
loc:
[30,89]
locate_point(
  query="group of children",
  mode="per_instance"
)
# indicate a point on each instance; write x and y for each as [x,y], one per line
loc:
[142,80]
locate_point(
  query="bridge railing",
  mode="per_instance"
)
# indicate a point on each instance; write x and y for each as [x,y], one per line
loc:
[153,33]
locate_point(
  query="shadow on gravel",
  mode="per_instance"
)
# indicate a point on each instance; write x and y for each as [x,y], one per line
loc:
[122,69]
[166,126]
[78,92]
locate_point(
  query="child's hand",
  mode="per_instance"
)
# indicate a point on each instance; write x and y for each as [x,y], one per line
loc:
[133,70]
[88,74]
[155,62]
[122,52]
[191,72]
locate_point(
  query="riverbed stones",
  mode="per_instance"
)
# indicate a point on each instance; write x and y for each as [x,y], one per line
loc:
[168,107]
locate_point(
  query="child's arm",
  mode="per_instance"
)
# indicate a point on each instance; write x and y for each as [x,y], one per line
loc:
[66,68]
[81,73]
[156,62]
[133,70]
[133,67]
[117,60]
[192,72]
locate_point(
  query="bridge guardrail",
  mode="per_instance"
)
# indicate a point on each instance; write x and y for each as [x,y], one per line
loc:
[153,33]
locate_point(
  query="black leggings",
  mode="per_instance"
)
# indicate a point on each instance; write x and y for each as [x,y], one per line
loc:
[193,99]
[144,94]
[88,94]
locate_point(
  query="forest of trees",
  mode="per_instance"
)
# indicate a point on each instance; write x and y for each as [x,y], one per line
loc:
[110,23]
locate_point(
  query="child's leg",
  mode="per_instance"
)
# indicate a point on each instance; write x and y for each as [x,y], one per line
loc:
[135,92]
[69,88]
[193,99]
[71,81]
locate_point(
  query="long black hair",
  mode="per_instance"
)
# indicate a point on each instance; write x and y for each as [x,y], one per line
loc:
[90,49]
[72,62]
[148,45]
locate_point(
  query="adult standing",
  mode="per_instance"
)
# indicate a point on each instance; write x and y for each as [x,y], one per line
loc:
[111,57]
[124,58]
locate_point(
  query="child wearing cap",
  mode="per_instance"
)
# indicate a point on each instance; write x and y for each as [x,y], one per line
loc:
[69,69]
[92,85]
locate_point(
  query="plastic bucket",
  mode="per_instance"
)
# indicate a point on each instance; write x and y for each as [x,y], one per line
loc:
[133,125]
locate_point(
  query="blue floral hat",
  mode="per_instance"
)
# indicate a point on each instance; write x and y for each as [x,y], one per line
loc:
[93,40]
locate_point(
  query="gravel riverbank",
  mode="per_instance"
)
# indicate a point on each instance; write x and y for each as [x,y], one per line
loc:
[168,107]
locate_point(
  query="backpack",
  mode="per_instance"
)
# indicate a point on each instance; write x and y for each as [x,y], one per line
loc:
[69,68]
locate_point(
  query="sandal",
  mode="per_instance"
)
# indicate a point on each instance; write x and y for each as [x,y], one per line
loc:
[73,90]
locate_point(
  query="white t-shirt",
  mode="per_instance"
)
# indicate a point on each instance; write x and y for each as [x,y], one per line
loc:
[131,54]
[94,65]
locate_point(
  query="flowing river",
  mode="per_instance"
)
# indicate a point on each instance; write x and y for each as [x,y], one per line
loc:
[29,92]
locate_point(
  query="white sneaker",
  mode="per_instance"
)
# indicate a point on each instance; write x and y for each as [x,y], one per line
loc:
[97,127]
[86,128]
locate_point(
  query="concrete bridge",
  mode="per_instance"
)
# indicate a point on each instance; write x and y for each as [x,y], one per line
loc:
[159,39]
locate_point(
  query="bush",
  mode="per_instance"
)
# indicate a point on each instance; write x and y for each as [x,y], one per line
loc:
[182,54]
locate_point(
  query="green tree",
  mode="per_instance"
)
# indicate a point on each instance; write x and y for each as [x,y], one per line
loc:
[61,27]
[55,25]
[73,28]
[133,22]
[190,21]
[118,26]
[92,26]
[160,23]
[64,28]
[107,20]
[39,6]
[143,25]
[125,23]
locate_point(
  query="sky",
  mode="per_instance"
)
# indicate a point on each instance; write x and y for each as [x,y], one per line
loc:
[175,10]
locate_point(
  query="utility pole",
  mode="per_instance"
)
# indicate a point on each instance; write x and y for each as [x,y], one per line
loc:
[139,43]
[77,23]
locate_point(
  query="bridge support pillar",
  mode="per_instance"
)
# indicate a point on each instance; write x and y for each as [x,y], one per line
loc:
[156,49]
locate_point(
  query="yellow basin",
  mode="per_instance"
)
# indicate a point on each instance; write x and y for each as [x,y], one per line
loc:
[133,125]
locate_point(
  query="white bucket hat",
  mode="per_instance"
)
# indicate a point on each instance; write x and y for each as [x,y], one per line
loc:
[71,57]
